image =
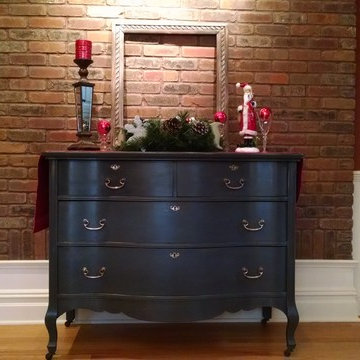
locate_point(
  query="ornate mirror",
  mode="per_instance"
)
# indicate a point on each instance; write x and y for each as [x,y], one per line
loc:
[152,31]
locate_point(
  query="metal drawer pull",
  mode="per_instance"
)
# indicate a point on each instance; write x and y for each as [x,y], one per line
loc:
[261,224]
[246,271]
[85,271]
[86,222]
[227,183]
[174,254]
[175,207]
[115,187]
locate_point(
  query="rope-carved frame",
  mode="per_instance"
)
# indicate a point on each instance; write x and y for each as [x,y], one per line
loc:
[120,28]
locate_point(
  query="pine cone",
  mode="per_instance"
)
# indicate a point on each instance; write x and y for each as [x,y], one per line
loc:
[172,125]
[200,127]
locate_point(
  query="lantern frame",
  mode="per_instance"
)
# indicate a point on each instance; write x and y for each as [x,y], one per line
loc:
[84,93]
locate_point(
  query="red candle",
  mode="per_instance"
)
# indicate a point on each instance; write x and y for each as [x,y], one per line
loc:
[83,49]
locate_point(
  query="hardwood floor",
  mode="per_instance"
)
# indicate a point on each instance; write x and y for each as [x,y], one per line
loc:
[197,341]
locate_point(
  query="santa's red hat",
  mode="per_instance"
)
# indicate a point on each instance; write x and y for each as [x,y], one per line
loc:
[244,85]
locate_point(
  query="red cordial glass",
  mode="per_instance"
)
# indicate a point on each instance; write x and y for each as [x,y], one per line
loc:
[103,129]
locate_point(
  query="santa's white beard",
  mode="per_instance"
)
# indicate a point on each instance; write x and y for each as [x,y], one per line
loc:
[247,98]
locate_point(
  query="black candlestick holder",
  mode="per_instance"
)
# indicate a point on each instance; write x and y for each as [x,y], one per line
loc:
[83,91]
[83,64]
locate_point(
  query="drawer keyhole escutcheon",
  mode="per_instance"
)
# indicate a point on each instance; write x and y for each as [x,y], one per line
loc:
[174,254]
[175,208]
[115,187]
[233,167]
[86,223]
[227,183]
[245,272]
[114,167]
[261,224]
[85,272]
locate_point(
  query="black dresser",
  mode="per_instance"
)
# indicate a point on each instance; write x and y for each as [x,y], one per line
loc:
[172,237]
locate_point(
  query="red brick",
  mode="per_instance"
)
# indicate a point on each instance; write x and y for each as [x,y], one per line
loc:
[145,112]
[66,11]
[198,101]
[86,24]
[13,22]
[27,84]
[47,23]
[300,54]
[152,75]
[198,52]
[305,30]
[272,78]
[338,103]
[161,100]
[28,59]
[221,15]
[14,222]
[12,148]
[199,76]
[323,91]
[47,97]
[254,17]
[46,123]
[237,5]
[47,47]
[338,55]
[23,186]
[255,65]
[46,72]
[133,49]
[161,50]
[290,66]
[27,10]
[61,136]
[13,71]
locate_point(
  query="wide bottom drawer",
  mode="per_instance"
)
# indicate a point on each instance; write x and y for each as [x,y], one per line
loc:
[171,272]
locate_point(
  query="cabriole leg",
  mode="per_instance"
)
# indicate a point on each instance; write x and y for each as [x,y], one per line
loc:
[293,321]
[50,322]
[266,314]
[70,316]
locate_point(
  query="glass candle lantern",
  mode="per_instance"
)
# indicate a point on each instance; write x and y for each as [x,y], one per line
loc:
[83,91]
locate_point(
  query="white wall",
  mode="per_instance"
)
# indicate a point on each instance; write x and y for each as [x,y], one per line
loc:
[326,290]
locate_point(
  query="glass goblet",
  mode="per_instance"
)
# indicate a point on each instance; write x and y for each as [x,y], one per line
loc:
[103,129]
[264,120]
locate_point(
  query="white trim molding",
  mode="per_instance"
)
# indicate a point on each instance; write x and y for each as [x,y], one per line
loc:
[326,290]
[356,231]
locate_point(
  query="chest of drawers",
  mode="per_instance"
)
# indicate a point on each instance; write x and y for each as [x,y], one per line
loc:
[173,237]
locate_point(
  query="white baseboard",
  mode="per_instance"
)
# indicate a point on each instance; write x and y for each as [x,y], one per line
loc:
[326,290]
[356,229]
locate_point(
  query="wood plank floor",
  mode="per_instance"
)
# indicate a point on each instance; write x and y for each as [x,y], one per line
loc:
[197,341]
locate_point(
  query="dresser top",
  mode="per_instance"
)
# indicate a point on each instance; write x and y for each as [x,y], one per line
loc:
[207,156]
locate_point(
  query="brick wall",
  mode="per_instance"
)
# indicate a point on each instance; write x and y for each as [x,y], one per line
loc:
[165,74]
[299,55]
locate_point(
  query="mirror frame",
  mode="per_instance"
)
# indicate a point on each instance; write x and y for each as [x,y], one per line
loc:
[121,27]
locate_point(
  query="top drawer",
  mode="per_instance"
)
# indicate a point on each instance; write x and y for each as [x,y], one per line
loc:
[115,178]
[232,179]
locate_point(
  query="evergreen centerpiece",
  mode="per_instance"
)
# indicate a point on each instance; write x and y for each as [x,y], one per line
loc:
[180,133]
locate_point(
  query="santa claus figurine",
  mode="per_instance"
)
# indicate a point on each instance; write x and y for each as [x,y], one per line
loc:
[247,120]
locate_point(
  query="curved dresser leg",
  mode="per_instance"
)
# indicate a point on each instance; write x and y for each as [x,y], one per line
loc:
[70,316]
[266,314]
[50,322]
[293,321]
